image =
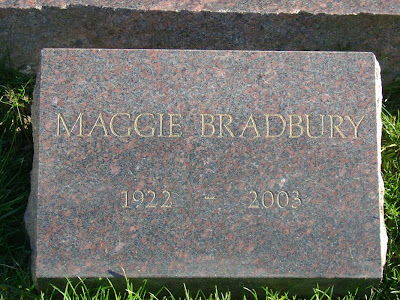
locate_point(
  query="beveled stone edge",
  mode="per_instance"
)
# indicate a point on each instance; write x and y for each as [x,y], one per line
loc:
[379,97]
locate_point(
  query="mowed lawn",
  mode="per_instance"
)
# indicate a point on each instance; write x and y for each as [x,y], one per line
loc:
[16,150]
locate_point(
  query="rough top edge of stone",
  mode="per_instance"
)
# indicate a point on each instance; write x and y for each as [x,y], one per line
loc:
[391,8]
[367,53]
[383,232]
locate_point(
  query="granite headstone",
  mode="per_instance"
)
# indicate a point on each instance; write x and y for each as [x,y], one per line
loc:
[228,168]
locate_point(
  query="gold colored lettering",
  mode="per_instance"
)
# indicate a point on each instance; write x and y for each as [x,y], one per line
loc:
[138,199]
[254,126]
[297,199]
[221,125]
[152,199]
[355,125]
[210,124]
[172,125]
[252,205]
[112,125]
[103,125]
[309,130]
[166,204]
[126,198]
[263,199]
[278,200]
[333,127]
[298,124]
[152,129]
[61,118]
[267,116]
[161,124]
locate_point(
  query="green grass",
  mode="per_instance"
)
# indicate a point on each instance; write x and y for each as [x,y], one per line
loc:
[391,175]
[15,163]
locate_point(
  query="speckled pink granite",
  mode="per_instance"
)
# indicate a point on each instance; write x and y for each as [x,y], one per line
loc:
[215,232]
